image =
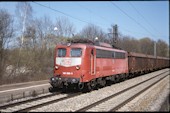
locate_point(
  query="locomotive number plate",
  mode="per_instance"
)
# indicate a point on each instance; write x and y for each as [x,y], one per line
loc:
[68,73]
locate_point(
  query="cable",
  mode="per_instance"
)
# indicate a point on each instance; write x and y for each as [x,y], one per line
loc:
[142,16]
[61,12]
[92,12]
[132,18]
[106,19]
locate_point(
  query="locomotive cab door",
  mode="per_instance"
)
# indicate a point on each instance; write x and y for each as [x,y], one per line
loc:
[93,62]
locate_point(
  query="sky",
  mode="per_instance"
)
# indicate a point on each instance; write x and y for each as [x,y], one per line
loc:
[137,19]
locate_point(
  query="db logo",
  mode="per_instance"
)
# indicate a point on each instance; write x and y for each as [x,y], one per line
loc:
[66,62]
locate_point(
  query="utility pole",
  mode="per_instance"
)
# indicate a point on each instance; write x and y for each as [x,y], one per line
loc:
[154,49]
[115,33]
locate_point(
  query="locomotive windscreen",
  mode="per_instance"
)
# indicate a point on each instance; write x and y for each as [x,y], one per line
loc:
[76,52]
[61,52]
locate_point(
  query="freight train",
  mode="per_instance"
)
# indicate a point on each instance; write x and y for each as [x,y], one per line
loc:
[86,65]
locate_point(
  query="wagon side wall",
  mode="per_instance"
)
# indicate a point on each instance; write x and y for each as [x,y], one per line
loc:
[138,63]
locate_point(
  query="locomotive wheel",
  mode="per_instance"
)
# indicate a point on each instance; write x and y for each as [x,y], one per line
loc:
[112,78]
[87,87]
[52,89]
[64,88]
[101,82]
[93,84]
[80,86]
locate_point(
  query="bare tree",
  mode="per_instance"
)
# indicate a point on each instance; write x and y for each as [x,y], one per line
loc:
[24,14]
[92,31]
[45,32]
[129,43]
[30,37]
[65,27]
[40,37]
[147,46]
[162,48]
[6,32]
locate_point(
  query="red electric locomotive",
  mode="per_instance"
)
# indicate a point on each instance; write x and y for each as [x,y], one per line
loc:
[85,65]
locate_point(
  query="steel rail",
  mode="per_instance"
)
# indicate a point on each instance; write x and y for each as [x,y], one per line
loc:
[116,94]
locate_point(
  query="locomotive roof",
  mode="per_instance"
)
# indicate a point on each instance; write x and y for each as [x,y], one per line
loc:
[101,45]
[89,43]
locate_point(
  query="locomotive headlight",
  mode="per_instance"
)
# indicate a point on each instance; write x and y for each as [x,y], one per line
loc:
[56,67]
[73,80]
[68,44]
[77,67]
[52,79]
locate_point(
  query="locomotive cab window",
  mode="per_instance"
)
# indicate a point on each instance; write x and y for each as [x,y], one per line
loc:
[76,52]
[61,52]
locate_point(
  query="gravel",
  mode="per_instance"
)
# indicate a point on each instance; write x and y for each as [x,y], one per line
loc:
[150,100]
[83,100]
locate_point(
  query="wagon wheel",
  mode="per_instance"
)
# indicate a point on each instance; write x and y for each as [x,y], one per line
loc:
[117,78]
[123,77]
[103,82]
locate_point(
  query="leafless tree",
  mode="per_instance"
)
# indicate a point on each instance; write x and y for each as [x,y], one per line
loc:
[6,33]
[64,27]
[45,31]
[147,46]
[24,13]
[129,43]
[92,31]
[162,48]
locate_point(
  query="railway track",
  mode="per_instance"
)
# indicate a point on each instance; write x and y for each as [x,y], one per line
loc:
[137,94]
[39,102]
[121,104]
[27,105]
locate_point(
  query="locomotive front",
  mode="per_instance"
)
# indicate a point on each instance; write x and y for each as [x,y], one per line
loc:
[67,65]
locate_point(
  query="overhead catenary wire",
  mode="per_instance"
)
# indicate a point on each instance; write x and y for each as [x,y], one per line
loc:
[142,16]
[106,20]
[132,18]
[94,13]
[61,12]
[97,15]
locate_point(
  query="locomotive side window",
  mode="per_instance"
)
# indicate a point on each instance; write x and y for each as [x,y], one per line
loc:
[109,54]
[119,55]
[76,52]
[61,52]
[103,53]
